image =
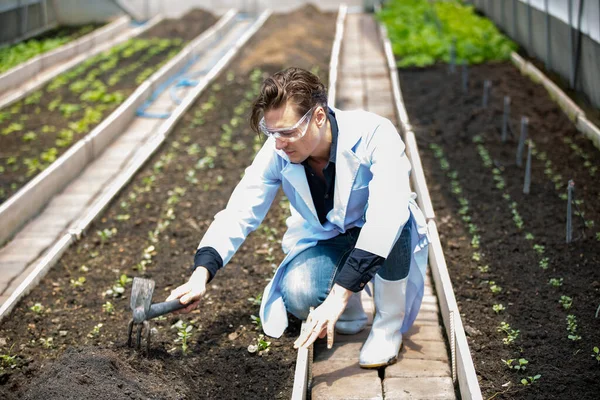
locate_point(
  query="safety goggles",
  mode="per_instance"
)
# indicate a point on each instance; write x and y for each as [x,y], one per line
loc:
[290,134]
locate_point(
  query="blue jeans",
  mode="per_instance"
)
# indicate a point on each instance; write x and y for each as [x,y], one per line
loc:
[309,277]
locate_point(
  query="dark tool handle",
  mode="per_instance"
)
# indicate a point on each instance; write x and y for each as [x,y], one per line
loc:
[165,307]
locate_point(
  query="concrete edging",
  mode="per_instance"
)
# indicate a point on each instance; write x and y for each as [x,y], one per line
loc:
[30,68]
[139,159]
[463,368]
[569,107]
[100,44]
[31,198]
[335,54]
[303,371]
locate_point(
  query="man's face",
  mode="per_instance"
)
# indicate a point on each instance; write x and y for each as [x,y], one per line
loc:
[287,116]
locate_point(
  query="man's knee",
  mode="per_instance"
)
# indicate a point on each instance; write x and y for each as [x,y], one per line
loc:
[298,292]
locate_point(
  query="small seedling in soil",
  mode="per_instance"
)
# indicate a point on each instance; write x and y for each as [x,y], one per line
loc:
[83,268]
[511,334]
[37,308]
[494,288]
[529,236]
[184,333]
[572,328]
[544,263]
[556,282]
[566,302]
[498,308]
[530,380]
[596,354]
[75,283]
[521,366]
[262,346]
[108,308]
[539,248]
[47,343]
[476,256]
[95,331]
[7,361]
[106,234]
[256,321]
[119,287]
[484,268]
[255,300]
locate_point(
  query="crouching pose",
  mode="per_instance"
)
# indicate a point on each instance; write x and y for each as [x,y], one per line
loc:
[354,220]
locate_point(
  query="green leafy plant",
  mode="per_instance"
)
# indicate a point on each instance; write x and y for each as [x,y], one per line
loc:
[262,346]
[556,282]
[108,308]
[520,366]
[572,328]
[596,353]
[530,380]
[46,343]
[37,308]
[184,333]
[106,234]
[511,334]
[498,308]
[118,288]
[566,302]
[95,331]
[256,321]
[255,300]
[79,282]
[544,262]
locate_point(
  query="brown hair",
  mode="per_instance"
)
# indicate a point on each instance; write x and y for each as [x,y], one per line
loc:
[301,87]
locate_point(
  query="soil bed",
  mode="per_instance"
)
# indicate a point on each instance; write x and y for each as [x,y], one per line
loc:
[40,128]
[159,219]
[477,193]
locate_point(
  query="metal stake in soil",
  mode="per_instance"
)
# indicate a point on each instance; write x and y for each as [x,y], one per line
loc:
[520,148]
[505,118]
[465,76]
[452,66]
[570,189]
[487,84]
[527,184]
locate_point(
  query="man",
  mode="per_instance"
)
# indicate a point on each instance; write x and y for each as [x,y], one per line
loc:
[353,220]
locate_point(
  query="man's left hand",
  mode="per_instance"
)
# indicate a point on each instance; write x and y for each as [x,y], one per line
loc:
[321,321]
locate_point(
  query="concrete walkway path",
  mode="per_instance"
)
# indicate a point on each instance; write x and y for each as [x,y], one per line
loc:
[423,368]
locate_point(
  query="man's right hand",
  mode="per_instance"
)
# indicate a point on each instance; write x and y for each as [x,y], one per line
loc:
[191,292]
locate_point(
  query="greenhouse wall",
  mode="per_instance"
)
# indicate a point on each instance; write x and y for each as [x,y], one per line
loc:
[21,19]
[541,27]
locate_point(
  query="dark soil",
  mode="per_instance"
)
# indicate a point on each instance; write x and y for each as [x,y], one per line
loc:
[47,123]
[217,364]
[442,115]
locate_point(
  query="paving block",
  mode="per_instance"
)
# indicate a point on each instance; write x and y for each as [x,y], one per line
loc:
[10,269]
[356,387]
[340,351]
[24,249]
[336,368]
[429,307]
[416,368]
[423,350]
[360,337]
[419,332]
[422,388]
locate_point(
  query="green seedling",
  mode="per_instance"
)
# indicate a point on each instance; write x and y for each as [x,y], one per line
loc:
[8,361]
[556,282]
[544,262]
[118,288]
[95,331]
[498,308]
[256,321]
[47,343]
[484,268]
[29,136]
[529,236]
[184,333]
[79,282]
[539,248]
[106,234]
[572,328]
[476,256]
[49,156]
[33,166]
[520,366]
[530,380]
[596,353]
[255,300]
[261,346]
[566,302]
[511,334]
[494,288]
[108,308]
[37,308]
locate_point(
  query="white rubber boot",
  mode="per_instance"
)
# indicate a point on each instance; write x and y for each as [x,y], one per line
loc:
[353,319]
[384,341]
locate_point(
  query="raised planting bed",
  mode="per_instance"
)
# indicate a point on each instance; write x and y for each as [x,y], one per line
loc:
[13,55]
[528,300]
[68,335]
[38,129]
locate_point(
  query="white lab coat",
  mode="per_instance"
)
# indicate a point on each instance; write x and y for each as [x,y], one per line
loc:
[371,191]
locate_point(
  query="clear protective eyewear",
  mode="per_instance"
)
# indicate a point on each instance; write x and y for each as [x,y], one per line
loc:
[290,134]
